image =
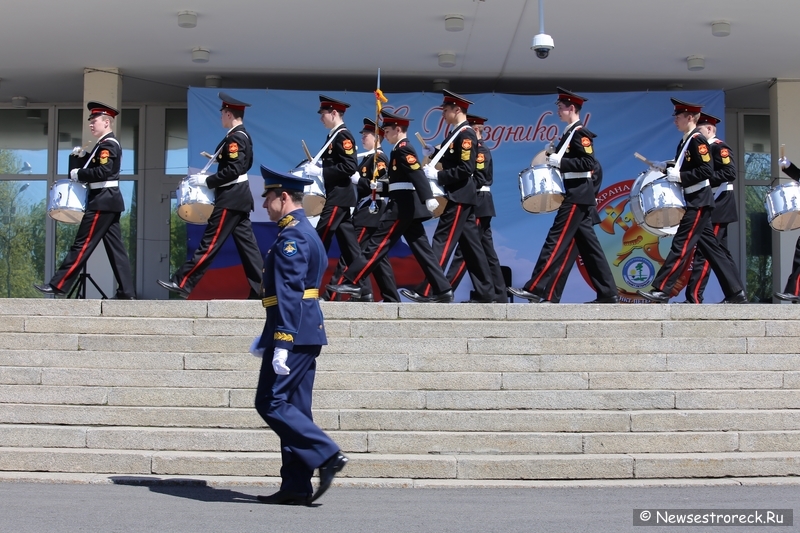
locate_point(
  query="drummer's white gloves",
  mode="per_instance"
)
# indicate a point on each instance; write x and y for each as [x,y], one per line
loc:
[78,151]
[432,204]
[279,362]
[254,350]
[784,163]
[431,173]
[554,160]
[312,170]
[673,174]
[355,177]
[428,150]
[73,174]
[661,166]
[197,180]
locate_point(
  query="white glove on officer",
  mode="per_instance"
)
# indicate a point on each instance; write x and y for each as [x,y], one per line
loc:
[355,177]
[554,160]
[73,174]
[312,170]
[431,173]
[254,350]
[197,180]
[661,166]
[78,151]
[674,175]
[279,362]
[432,205]
[428,150]
[784,163]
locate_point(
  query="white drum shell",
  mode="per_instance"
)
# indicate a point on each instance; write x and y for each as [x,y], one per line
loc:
[195,203]
[636,204]
[541,189]
[783,206]
[67,201]
[313,194]
[662,203]
[438,195]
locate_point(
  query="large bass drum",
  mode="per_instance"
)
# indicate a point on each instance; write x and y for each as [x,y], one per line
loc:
[783,206]
[645,178]
[67,201]
[195,202]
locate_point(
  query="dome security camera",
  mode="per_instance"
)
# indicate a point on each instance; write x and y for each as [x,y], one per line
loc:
[542,44]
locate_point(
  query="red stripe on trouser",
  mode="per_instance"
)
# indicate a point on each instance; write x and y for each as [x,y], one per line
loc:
[555,250]
[797,286]
[330,221]
[341,278]
[561,270]
[449,240]
[683,250]
[377,251]
[704,272]
[80,254]
[463,264]
[210,247]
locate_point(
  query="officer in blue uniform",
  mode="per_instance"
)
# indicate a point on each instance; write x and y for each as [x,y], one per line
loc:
[290,343]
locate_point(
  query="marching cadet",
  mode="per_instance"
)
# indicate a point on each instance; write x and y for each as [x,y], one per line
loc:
[293,336]
[574,157]
[724,204]
[411,203]
[459,152]
[365,220]
[693,170]
[792,291]
[233,202]
[484,212]
[104,205]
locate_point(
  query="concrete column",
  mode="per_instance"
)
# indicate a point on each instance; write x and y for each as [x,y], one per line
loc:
[101,85]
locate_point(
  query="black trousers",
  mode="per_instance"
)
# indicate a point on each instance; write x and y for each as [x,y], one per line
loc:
[793,283]
[458,266]
[97,226]
[555,290]
[701,269]
[695,230]
[457,225]
[572,222]
[221,224]
[386,235]
[336,220]
[383,273]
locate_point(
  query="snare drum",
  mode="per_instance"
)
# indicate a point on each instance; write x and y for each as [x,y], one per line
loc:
[195,204]
[541,189]
[646,178]
[67,201]
[439,196]
[783,206]
[662,203]
[313,194]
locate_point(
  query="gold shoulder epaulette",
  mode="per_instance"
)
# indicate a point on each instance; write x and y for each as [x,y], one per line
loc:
[282,223]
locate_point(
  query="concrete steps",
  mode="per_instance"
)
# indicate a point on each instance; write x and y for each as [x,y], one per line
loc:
[466,393]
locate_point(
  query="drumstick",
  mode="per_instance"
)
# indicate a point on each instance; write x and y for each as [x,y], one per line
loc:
[421,140]
[305,149]
[783,151]
[642,158]
[206,154]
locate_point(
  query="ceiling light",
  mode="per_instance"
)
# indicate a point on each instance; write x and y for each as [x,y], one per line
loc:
[19,101]
[441,84]
[695,63]
[200,55]
[187,19]
[212,80]
[454,22]
[447,59]
[720,28]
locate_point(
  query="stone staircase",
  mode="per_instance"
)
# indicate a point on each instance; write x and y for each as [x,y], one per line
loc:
[468,393]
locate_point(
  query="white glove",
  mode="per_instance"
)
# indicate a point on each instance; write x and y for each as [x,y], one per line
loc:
[196,180]
[554,160]
[428,150]
[73,174]
[254,350]
[355,177]
[78,151]
[673,174]
[661,166]
[312,170]
[784,163]
[432,205]
[431,173]
[279,362]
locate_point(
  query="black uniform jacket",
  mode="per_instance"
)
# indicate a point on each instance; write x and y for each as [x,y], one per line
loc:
[404,167]
[234,160]
[484,177]
[458,166]
[724,172]
[579,157]
[339,162]
[104,165]
[362,218]
[696,168]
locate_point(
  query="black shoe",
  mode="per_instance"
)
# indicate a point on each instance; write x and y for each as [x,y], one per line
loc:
[605,300]
[364,298]
[174,287]
[328,471]
[779,295]
[738,298]
[345,288]
[48,289]
[522,293]
[443,298]
[284,497]
[655,296]
[413,296]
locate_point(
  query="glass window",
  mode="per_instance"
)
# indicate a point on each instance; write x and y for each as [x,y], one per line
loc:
[70,131]
[22,237]
[758,237]
[129,139]
[178,248]
[176,158]
[23,141]
[70,134]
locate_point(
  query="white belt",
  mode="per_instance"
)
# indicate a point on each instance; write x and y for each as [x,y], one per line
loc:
[485,188]
[240,179]
[104,184]
[721,189]
[401,186]
[576,175]
[696,187]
